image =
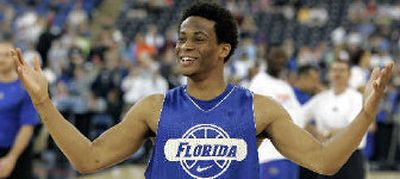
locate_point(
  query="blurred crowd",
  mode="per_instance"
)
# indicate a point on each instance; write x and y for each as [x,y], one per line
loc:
[96,74]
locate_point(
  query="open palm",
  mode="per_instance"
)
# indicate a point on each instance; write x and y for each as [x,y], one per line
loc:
[375,88]
[32,79]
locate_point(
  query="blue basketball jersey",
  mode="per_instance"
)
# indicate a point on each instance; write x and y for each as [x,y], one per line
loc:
[195,141]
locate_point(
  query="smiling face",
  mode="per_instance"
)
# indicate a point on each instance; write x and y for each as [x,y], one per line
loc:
[197,50]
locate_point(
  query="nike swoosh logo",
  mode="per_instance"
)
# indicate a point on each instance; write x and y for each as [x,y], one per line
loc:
[202,169]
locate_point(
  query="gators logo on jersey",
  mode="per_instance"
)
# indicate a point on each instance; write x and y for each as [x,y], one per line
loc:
[205,151]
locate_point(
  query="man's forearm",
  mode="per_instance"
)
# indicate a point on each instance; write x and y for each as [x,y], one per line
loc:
[73,144]
[337,150]
[21,141]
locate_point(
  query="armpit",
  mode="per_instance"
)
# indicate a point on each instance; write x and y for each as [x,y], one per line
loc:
[263,135]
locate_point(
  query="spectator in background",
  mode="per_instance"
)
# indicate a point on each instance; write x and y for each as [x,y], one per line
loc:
[141,47]
[143,81]
[240,68]
[305,86]
[29,26]
[271,83]
[72,92]
[109,78]
[356,11]
[107,84]
[77,16]
[6,19]
[168,69]
[360,67]
[45,42]
[307,83]
[18,118]
[153,38]
[382,56]
[30,53]
[58,57]
[132,86]
[334,109]
[313,16]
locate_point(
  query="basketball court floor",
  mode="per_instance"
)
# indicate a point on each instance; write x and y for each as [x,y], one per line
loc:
[137,171]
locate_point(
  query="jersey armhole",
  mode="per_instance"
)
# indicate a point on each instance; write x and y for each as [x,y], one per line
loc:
[154,135]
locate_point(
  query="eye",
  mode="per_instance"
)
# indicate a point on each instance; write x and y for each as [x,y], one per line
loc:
[199,39]
[181,40]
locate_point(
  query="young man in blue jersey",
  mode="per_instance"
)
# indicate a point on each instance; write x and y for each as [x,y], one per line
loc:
[208,128]
[17,120]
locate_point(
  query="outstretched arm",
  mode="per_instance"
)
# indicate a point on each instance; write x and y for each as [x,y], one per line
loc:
[299,146]
[115,145]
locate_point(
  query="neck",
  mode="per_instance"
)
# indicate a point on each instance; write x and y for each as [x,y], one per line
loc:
[8,76]
[273,73]
[339,89]
[206,89]
[279,74]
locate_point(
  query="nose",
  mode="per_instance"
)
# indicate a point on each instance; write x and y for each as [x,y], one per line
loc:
[187,45]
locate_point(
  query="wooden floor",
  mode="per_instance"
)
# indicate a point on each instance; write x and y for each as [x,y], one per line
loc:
[137,171]
[123,172]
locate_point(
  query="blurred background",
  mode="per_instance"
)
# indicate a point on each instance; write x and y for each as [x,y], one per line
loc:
[102,56]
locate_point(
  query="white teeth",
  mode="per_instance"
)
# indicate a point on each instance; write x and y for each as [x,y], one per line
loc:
[187,59]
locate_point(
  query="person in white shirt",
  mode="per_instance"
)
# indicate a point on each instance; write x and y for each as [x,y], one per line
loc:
[360,69]
[334,109]
[141,82]
[270,83]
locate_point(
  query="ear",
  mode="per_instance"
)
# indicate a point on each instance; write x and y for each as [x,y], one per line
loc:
[224,50]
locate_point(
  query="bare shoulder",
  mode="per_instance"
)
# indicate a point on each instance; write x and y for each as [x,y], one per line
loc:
[154,100]
[147,110]
[266,110]
[265,105]
[262,101]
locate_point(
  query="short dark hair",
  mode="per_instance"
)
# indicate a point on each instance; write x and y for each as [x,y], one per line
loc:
[275,52]
[225,26]
[357,56]
[305,69]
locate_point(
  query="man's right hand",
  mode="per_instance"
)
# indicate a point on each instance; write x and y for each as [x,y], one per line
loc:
[33,79]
